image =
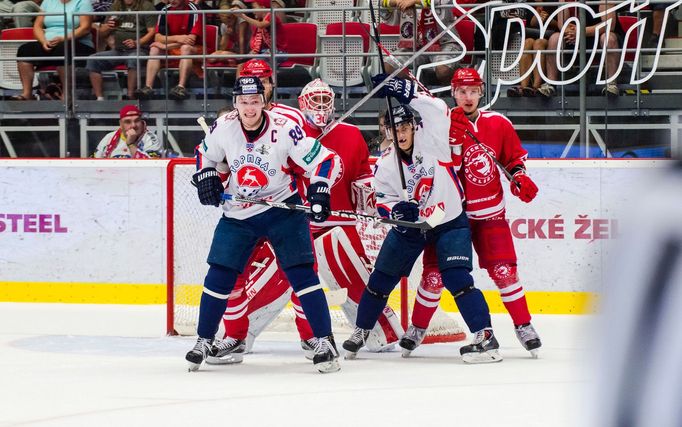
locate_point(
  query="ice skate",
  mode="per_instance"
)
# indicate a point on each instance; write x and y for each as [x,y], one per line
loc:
[355,342]
[411,340]
[326,358]
[308,347]
[483,349]
[198,354]
[226,352]
[529,338]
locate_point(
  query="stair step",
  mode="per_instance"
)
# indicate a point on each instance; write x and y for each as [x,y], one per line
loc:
[664,61]
[673,42]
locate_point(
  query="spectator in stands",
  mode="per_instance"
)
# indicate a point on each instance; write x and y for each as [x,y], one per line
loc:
[261,38]
[533,42]
[229,39]
[121,31]
[176,34]
[657,13]
[13,6]
[132,140]
[427,29]
[51,40]
[613,41]
[101,6]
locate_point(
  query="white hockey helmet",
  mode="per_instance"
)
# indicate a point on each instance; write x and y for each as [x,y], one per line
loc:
[316,101]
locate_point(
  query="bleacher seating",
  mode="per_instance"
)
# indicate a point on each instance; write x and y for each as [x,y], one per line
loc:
[10,40]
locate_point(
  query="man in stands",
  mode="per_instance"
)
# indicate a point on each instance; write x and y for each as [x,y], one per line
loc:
[176,34]
[427,29]
[132,140]
[612,40]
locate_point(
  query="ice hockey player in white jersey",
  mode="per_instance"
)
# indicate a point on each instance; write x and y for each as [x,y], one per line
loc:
[430,172]
[256,144]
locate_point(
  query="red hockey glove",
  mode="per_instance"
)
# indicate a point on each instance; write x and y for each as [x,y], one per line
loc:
[526,190]
[458,124]
[458,119]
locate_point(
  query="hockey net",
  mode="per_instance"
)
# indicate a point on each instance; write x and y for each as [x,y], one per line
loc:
[190,228]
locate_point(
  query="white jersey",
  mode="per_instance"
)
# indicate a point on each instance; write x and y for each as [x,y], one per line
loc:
[431,177]
[259,168]
[290,112]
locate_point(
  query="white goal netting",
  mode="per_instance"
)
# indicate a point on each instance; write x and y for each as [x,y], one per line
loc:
[190,231]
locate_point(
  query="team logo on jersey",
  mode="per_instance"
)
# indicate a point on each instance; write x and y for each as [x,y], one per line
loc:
[280,121]
[479,168]
[249,146]
[263,149]
[423,188]
[251,180]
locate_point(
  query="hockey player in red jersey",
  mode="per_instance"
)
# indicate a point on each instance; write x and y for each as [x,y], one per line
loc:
[485,204]
[262,291]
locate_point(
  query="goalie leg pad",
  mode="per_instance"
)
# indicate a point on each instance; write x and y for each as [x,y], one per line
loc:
[218,283]
[469,299]
[307,287]
[256,287]
[342,263]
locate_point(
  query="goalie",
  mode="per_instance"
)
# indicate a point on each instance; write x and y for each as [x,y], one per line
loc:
[342,262]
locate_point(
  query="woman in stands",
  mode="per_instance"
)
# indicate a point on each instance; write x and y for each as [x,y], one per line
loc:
[51,39]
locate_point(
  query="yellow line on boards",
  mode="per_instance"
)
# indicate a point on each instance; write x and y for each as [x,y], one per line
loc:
[127,293]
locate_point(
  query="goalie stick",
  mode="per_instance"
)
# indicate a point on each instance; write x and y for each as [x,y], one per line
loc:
[435,219]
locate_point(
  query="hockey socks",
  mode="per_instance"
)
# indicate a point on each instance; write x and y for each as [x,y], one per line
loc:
[469,299]
[514,301]
[374,298]
[307,287]
[218,284]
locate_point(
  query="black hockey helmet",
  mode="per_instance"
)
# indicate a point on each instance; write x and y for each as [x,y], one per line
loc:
[248,86]
[401,114]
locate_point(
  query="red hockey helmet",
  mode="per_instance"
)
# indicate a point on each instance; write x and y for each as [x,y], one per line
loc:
[466,77]
[256,68]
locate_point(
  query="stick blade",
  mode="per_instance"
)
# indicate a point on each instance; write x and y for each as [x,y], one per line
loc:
[436,217]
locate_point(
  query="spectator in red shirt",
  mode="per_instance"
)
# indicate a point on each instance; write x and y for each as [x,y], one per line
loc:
[176,34]
[261,38]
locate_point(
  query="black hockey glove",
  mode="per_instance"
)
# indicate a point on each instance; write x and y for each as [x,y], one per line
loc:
[318,197]
[400,89]
[406,211]
[209,186]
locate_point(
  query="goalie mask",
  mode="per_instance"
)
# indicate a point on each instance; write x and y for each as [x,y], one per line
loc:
[317,103]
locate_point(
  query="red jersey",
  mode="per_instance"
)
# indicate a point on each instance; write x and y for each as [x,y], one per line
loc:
[479,175]
[262,39]
[347,142]
[180,24]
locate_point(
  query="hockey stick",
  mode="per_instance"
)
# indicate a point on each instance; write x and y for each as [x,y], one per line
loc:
[431,222]
[202,122]
[389,104]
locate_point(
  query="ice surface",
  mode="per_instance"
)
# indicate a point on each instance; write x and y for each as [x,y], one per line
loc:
[104,365]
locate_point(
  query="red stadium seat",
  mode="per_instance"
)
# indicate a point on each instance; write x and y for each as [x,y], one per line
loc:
[351,29]
[301,37]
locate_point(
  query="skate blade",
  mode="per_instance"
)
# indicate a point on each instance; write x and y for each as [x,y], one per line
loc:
[535,353]
[490,356]
[328,367]
[350,355]
[229,359]
[406,353]
[193,367]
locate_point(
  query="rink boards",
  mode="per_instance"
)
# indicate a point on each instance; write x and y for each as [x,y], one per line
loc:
[93,231]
